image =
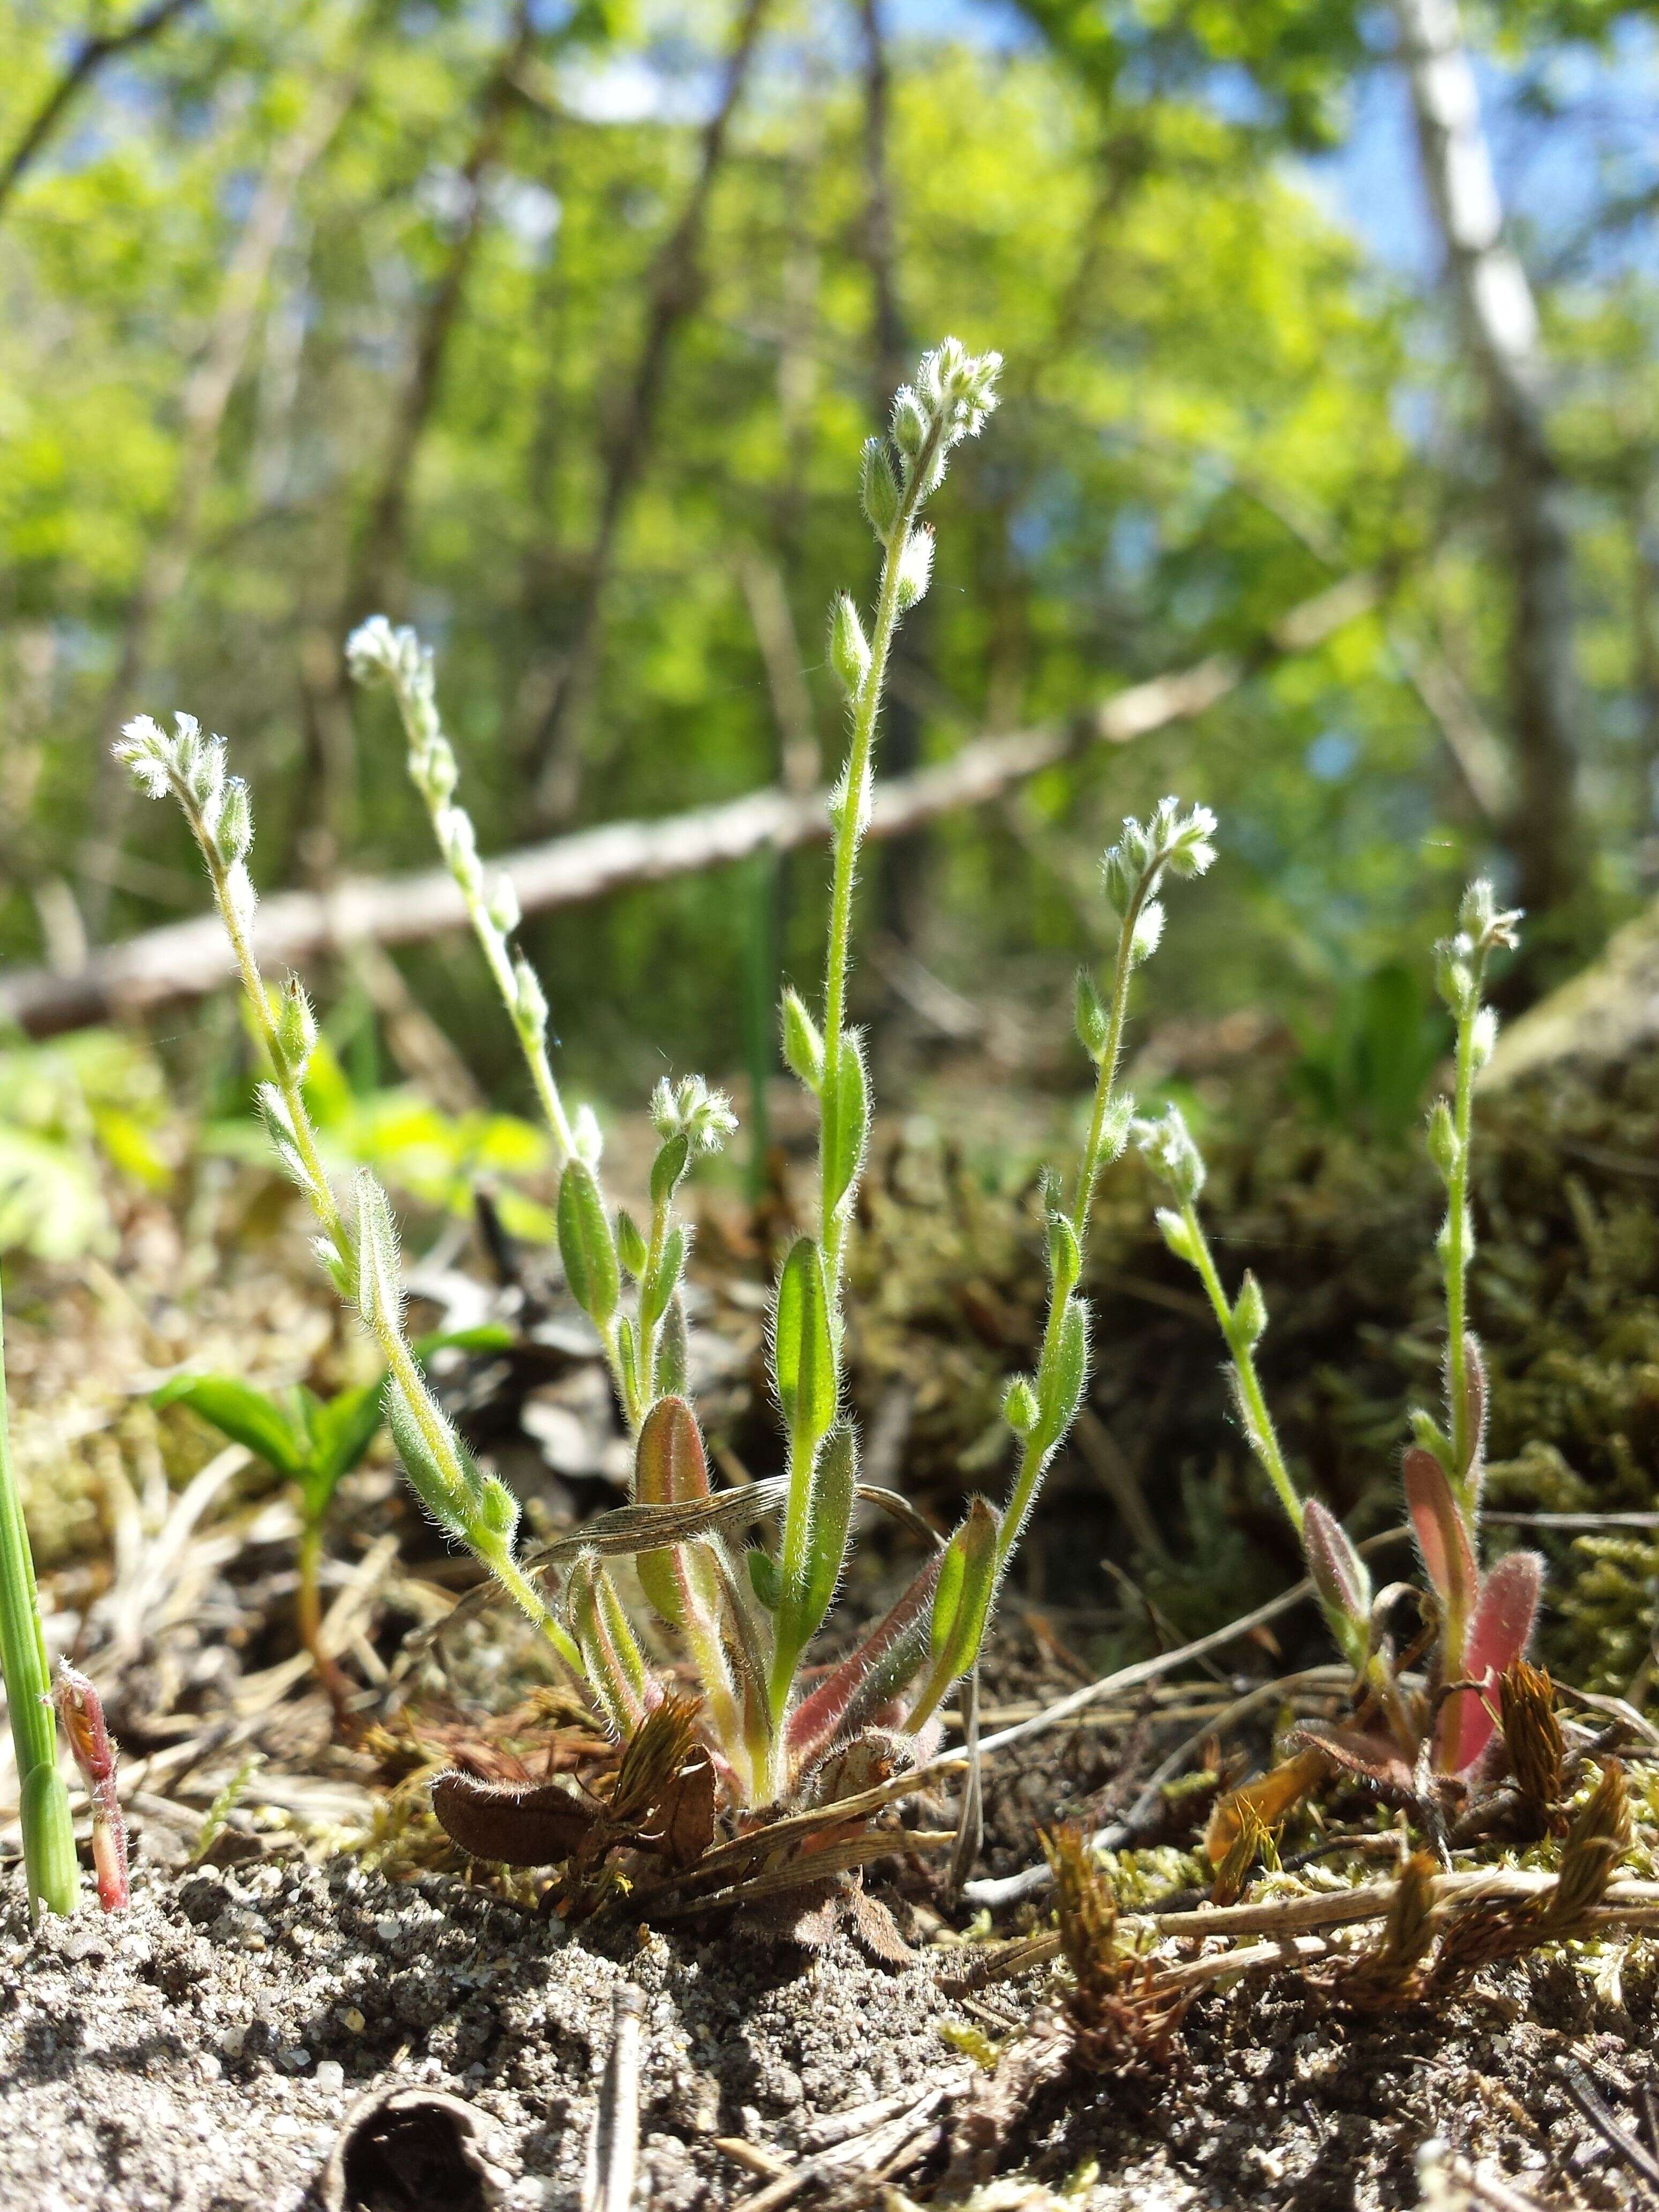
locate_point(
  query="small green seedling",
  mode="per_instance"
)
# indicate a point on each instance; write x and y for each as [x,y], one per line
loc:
[50,1865]
[313,1443]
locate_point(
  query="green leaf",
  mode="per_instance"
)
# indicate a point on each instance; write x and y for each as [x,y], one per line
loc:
[672,1352]
[804,1361]
[846,1120]
[343,1431]
[1060,1386]
[487,1336]
[586,1245]
[244,1414]
[763,1577]
[834,1483]
[663,1284]
[668,1168]
[961,1602]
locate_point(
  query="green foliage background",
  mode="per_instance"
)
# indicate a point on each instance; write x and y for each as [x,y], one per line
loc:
[1216,404]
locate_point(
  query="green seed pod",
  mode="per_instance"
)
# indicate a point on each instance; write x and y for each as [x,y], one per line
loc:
[380,1279]
[849,649]
[631,1243]
[1093,1028]
[1442,1139]
[803,1046]
[672,1357]
[1060,1386]
[1250,1312]
[1065,1257]
[1019,1406]
[878,487]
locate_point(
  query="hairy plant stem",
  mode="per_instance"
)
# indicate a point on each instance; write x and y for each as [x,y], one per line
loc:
[253,989]
[1263,1436]
[1033,1458]
[533,1045]
[1458,1255]
[849,834]
[50,1865]
[490,1551]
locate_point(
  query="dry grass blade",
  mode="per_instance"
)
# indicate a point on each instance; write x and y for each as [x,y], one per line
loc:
[613,2147]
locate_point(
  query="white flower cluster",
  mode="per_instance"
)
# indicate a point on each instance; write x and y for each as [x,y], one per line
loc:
[954,392]
[1169,1149]
[1460,960]
[690,1108]
[192,769]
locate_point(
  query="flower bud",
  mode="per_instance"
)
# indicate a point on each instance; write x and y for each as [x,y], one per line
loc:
[1147,933]
[1442,1139]
[1483,1038]
[1178,1236]
[529,999]
[503,905]
[909,423]
[295,1028]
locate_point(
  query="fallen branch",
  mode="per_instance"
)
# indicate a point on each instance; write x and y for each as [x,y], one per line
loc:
[186,960]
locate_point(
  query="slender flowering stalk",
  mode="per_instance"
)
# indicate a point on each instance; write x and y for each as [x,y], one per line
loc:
[1169,1148]
[645,1349]
[953,395]
[50,1866]
[82,1711]
[1041,1408]
[1483,1621]
[361,1261]
[376,652]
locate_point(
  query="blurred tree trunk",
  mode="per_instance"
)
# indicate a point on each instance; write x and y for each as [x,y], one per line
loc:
[206,395]
[902,882]
[1500,322]
[374,579]
[673,292]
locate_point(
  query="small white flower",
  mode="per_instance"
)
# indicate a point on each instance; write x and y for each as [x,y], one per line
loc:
[691,1109]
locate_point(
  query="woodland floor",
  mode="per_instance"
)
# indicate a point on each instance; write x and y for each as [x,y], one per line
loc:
[203,2051]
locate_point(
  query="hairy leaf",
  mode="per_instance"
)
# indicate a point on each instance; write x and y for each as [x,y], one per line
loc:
[585,1244]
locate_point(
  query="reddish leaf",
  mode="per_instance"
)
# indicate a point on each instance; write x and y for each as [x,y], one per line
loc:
[1337,1571]
[1498,1636]
[532,1827]
[669,1468]
[849,1697]
[1441,1535]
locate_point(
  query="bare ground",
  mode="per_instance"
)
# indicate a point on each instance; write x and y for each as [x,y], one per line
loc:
[199,2053]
